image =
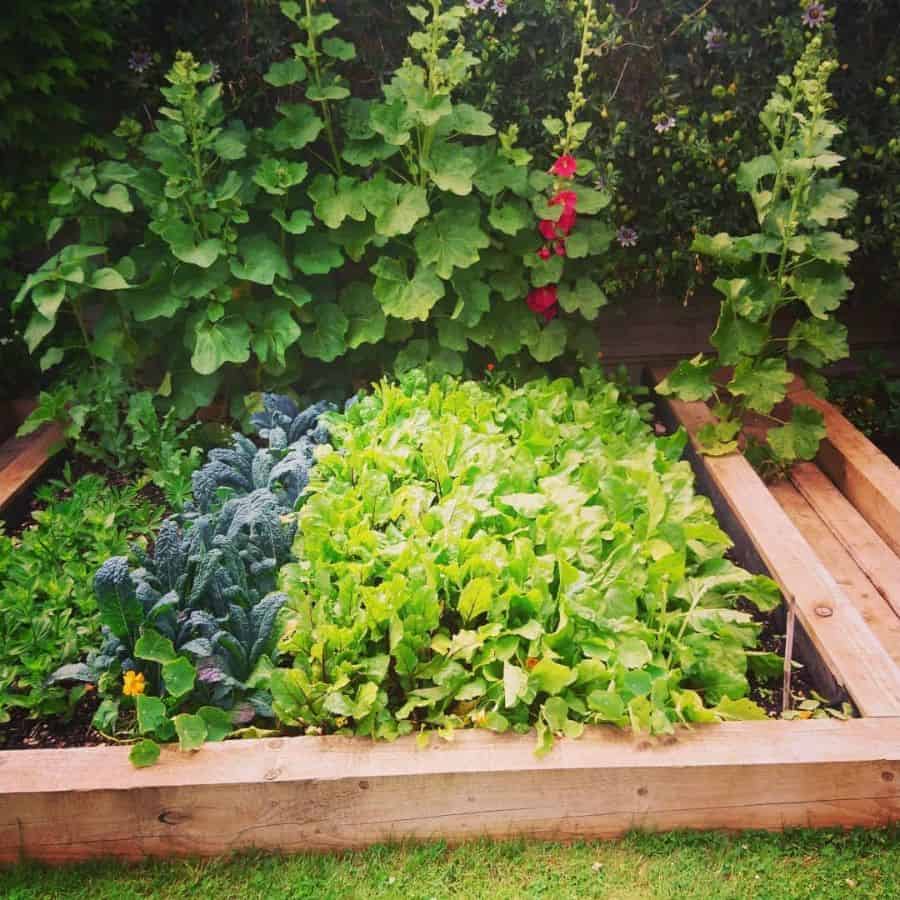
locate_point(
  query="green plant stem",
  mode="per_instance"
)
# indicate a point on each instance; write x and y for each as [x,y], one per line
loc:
[577,95]
[317,74]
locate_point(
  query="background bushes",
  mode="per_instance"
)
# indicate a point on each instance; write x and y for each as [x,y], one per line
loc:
[673,94]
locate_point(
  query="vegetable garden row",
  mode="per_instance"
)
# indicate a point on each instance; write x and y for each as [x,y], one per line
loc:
[473,584]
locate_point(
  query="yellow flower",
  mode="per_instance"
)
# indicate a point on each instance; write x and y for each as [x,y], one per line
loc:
[133,684]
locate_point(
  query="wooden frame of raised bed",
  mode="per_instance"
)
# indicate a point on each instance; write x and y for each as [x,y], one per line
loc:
[830,551]
[23,459]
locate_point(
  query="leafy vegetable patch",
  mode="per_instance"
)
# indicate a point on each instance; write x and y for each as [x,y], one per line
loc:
[476,554]
[189,633]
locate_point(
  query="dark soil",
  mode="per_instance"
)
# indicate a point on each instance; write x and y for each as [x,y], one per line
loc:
[22,733]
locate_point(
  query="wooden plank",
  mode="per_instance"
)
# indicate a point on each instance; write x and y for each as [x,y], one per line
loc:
[648,327]
[335,793]
[843,640]
[21,459]
[869,480]
[834,555]
[879,562]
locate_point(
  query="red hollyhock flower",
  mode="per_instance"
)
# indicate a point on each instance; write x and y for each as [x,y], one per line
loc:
[547,229]
[566,221]
[564,166]
[550,314]
[541,299]
[560,248]
[566,199]
[544,253]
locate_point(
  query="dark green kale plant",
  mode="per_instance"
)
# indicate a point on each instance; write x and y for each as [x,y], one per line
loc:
[194,624]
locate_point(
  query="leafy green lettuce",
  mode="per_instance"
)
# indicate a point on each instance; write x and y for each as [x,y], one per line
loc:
[476,554]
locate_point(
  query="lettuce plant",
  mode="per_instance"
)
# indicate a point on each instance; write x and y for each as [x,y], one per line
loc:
[470,554]
[794,264]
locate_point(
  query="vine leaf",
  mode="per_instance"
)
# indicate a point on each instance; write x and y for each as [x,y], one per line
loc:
[800,438]
[690,380]
[762,382]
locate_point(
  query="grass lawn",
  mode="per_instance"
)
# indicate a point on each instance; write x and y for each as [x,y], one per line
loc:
[804,864]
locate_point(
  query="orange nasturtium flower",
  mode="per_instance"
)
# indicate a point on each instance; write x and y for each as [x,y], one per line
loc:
[133,683]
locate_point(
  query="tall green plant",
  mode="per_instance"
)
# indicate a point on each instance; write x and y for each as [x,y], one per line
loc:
[794,264]
[403,220]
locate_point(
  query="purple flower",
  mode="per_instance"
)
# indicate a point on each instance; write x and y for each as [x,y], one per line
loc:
[814,17]
[715,39]
[500,7]
[139,61]
[664,124]
[627,236]
[477,5]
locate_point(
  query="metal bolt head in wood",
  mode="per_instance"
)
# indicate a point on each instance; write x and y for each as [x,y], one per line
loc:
[824,611]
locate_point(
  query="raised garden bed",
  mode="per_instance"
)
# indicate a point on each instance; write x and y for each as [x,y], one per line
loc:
[327,793]
[22,459]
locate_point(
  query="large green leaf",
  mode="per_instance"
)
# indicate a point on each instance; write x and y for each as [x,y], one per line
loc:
[452,168]
[392,122]
[278,176]
[144,753]
[191,731]
[475,599]
[151,713]
[749,173]
[690,380]
[551,677]
[451,240]
[584,296]
[272,336]
[364,314]
[260,260]
[830,247]
[398,208]
[402,296]
[550,341]
[116,197]
[336,200]
[317,255]
[179,676]
[821,286]
[152,646]
[217,343]
[298,127]
[818,341]
[763,382]
[800,438]
[281,74]
[510,218]
[325,339]
[736,337]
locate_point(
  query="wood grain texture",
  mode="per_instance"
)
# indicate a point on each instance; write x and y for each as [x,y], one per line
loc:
[21,460]
[644,327]
[835,556]
[844,641]
[869,480]
[333,793]
[866,547]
